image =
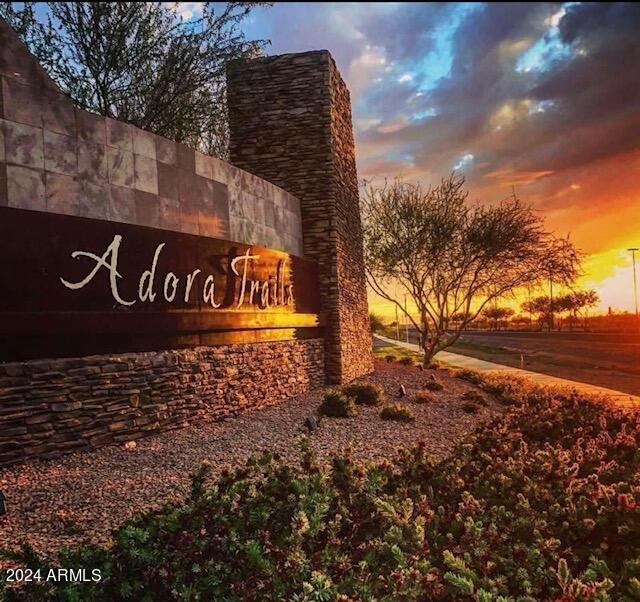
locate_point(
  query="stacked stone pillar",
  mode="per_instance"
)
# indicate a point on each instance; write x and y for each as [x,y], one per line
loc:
[290,124]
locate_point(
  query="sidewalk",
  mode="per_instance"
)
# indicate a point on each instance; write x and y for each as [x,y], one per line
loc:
[456,360]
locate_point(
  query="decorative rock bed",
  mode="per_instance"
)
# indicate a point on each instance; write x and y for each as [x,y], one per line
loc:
[85,495]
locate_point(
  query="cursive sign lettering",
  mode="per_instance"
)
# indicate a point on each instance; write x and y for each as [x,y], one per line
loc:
[273,291]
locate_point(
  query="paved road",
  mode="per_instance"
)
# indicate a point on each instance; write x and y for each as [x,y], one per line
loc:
[588,347]
[609,360]
[462,361]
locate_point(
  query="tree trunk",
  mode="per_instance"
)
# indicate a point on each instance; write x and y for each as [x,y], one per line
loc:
[428,350]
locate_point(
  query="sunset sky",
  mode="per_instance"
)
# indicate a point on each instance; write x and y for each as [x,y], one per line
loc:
[543,97]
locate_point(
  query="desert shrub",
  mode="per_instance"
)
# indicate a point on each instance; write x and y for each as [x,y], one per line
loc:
[337,405]
[470,407]
[406,361]
[433,385]
[364,393]
[473,395]
[541,504]
[470,376]
[423,397]
[396,411]
[507,389]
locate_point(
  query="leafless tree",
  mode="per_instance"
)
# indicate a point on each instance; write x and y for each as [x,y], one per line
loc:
[141,62]
[453,258]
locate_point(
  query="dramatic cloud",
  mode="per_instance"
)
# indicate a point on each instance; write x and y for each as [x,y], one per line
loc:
[540,97]
[186,10]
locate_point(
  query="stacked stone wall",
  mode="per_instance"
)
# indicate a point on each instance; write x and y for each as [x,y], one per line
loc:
[50,407]
[290,123]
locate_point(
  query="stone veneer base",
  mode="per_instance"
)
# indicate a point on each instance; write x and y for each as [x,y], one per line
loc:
[290,124]
[50,407]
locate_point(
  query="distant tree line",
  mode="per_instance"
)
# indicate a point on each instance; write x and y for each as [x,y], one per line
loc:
[574,304]
[498,314]
[572,308]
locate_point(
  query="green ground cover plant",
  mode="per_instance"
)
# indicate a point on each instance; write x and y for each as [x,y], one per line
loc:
[539,504]
[393,353]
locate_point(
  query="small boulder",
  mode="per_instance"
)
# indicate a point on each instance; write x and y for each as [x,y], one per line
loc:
[311,422]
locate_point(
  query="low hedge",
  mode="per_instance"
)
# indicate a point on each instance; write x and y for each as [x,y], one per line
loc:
[540,504]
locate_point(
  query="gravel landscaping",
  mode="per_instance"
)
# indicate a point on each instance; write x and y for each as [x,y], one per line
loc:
[84,496]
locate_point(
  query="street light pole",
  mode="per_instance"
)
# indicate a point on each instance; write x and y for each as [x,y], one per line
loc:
[550,304]
[635,283]
[406,317]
